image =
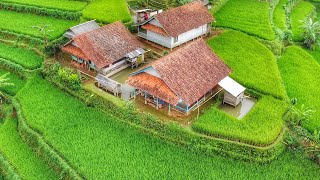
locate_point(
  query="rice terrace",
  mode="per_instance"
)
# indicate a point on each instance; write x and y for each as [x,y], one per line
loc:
[159,89]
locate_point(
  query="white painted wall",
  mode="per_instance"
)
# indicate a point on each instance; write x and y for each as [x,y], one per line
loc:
[192,34]
[169,41]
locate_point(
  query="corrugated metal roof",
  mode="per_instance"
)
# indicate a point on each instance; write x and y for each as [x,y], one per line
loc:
[81,28]
[231,86]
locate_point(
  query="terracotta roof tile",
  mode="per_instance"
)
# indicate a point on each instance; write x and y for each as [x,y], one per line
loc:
[155,29]
[191,71]
[184,18]
[107,44]
[154,86]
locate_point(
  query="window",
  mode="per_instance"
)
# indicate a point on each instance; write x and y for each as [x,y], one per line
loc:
[176,39]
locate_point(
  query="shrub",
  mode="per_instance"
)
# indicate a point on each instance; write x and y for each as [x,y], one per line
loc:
[66,76]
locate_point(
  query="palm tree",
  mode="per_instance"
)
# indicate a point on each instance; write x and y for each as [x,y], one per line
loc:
[44,32]
[311,33]
[4,82]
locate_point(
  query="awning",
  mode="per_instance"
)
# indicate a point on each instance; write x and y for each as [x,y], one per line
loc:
[231,86]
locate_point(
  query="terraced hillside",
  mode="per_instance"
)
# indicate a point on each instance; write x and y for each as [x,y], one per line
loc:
[58,133]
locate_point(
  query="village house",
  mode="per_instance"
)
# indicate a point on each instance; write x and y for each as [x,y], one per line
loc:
[178,25]
[182,80]
[106,49]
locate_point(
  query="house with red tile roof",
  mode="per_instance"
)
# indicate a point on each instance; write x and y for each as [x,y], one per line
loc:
[179,25]
[183,79]
[105,49]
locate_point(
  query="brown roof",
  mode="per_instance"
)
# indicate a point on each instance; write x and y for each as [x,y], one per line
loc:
[107,44]
[155,29]
[154,86]
[71,49]
[184,18]
[191,71]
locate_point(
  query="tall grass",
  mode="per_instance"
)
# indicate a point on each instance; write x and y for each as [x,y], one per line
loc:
[18,83]
[21,56]
[252,63]
[22,23]
[102,148]
[20,155]
[107,11]
[302,11]
[249,16]
[261,125]
[68,5]
[300,73]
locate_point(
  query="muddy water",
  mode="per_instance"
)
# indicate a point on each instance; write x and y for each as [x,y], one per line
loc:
[241,110]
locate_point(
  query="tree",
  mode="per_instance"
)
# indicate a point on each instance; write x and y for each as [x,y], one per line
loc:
[311,33]
[44,32]
[4,82]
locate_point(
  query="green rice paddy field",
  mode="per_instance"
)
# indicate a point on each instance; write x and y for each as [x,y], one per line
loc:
[20,155]
[300,73]
[26,21]
[21,56]
[279,16]
[18,83]
[250,16]
[69,5]
[299,14]
[100,147]
[256,69]
[107,11]
[262,125]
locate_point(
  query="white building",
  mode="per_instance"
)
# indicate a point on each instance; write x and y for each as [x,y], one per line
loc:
[178,25]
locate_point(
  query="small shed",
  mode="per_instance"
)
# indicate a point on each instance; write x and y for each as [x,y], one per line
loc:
[234,92]
[108,84]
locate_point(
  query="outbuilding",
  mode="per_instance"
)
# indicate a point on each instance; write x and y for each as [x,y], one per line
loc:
[234,92]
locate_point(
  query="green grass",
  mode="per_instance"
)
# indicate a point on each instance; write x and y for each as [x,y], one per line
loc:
[279,15]
[316,54]
[115,100]
[300,13]
[67,5]
[21,56]
[260,126]
[249,16]
[301,75]
[101,148]
[27,164]
[107,11]
[18,83]
[253,65]
[8,21]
